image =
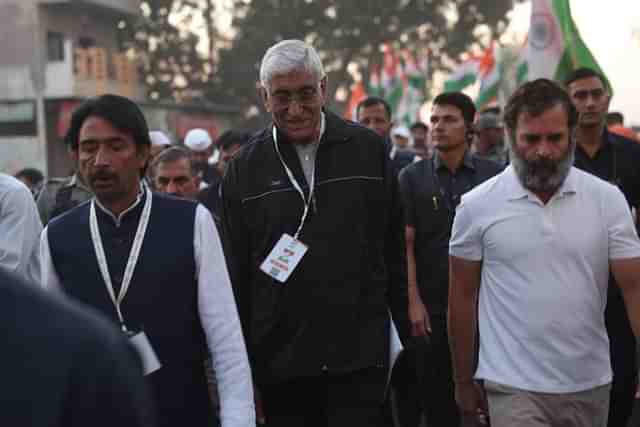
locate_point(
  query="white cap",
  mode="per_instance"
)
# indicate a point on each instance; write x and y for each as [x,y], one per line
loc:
[197,140]
[158,138]
[401,131]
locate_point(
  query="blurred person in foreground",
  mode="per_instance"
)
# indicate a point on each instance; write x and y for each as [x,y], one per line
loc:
[530,256]
[312,223]
[129,247]
[615,159]
[63,365]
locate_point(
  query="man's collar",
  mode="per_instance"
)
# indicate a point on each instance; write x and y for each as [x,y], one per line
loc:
[516,191]
[77,181]
[118,220]
[467,160]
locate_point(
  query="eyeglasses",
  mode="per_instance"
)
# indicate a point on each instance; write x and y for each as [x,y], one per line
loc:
[306,96]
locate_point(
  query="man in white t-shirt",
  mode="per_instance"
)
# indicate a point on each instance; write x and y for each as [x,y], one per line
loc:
[536,244]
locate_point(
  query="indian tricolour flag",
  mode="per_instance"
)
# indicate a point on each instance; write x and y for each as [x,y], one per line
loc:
[465,74]
[489,71]
[555,47]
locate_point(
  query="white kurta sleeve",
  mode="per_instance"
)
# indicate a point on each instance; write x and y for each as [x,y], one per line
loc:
[221,323]
[49,277]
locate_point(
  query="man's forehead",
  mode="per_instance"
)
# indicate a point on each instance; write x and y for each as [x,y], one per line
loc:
[587,83]
[293,80]
[174,166]
[373,110]
[555,118]
[440,110]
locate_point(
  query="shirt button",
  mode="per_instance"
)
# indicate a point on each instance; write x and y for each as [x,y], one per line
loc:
[325,368]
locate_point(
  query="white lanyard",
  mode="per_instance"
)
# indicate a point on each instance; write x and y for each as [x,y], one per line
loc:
[294,181]
[133,255]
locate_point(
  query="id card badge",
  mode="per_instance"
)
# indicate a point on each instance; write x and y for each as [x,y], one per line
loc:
[150,362]
[284,258]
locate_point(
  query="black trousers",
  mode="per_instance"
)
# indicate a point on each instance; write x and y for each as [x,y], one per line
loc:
[328,400]
[437,381]
[423,380]
[623,360]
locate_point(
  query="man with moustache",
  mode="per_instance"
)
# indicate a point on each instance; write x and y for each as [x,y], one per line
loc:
[314,247]
[616,159]
[431,190]
[530,253]
[154,266]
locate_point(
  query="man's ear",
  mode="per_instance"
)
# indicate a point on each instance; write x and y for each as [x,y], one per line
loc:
[323,89]
[470,133]
[264,96]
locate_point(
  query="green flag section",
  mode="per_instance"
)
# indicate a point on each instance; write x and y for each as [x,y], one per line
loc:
[464,75]
[555,48]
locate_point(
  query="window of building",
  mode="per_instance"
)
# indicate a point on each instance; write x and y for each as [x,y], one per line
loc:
[18,118]
[55,46]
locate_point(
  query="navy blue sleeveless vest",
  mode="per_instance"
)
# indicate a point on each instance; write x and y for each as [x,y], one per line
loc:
[162,298]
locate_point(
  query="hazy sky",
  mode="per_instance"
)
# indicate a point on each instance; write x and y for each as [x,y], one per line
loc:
[607,27]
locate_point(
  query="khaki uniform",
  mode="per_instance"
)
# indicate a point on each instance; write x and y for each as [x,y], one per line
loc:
[58,195]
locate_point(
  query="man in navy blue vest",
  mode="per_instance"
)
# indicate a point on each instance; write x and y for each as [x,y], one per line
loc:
[152,264]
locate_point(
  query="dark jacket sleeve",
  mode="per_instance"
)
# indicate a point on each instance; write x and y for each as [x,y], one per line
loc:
[235,238]
[395,253]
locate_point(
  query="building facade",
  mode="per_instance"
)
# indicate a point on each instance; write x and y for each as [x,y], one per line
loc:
[54,54]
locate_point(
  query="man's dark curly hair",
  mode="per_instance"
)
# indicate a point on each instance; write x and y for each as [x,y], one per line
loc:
[536,97]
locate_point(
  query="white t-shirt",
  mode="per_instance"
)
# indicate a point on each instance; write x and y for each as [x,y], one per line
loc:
[545,271]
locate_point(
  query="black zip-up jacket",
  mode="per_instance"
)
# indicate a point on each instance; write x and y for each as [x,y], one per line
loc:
[332,313]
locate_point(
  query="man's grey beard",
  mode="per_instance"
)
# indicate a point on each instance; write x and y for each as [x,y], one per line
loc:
[542,175]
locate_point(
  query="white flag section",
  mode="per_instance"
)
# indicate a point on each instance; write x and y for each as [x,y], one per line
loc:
[464,75]
[555,48]
[546,44]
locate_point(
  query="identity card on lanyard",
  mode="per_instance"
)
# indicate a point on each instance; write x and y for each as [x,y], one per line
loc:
[139,340]
[288,252]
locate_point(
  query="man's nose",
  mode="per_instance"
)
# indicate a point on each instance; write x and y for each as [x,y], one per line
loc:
[295,107]
[103,157]
[172,187]
[544,149]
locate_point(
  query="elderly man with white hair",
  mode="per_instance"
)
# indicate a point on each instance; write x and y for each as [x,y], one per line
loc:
[313,227]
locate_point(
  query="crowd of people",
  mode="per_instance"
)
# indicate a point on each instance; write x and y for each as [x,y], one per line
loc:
[479,269]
